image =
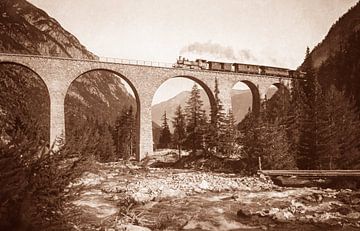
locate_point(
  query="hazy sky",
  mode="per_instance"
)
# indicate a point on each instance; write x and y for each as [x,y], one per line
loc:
[268,32]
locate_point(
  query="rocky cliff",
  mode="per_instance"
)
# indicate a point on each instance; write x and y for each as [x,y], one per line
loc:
[26,29]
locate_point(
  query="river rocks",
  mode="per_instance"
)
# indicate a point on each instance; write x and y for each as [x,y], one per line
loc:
[114,187]
[343,210]
[120,186]
[214,225]
[204,185]
[284,216]
[243,213]
[159,184]
[353,215]
[130,227]
[124,193]
[306,206]
[88,179]
[168,193]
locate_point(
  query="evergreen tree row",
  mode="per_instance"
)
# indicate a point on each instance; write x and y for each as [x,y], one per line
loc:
[195,132]
[108,142]
[328,124]
[313,127]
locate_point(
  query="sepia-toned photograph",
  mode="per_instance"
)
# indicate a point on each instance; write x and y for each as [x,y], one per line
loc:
[151,115]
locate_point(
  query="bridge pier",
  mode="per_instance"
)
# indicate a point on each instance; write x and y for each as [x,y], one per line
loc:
[225,88]
[57,93]
[145,133]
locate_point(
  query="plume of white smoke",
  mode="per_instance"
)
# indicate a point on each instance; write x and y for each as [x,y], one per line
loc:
[218,52]
[209,48]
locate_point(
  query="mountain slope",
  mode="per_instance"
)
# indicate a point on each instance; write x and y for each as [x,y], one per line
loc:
[241,101]
[337,36]
[337,58]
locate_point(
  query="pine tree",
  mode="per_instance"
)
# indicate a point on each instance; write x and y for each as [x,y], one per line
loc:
[325,148]
[216,131]
[131,134]
[277,106]
[250,142]
[194,130]
[276,148]
[179,129]
[118,130]
[125,134]
[317,111]
[264,136]
[343,140]
[307,153]
[203,130]
[273,136]
[165,135]
[293,117]
[105,148]
[230,135]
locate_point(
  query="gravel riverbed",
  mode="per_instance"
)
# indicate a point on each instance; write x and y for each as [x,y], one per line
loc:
[118,196]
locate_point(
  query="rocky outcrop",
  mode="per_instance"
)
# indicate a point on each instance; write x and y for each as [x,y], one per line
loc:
[26,29]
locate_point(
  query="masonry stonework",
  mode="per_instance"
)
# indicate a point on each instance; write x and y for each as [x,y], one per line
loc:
[59,73]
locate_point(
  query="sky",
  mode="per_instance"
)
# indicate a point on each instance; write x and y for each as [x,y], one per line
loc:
[266,32]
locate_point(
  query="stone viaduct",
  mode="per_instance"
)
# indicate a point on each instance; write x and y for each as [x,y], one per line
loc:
[59,73]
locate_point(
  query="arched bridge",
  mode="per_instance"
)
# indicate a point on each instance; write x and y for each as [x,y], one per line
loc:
[59,73]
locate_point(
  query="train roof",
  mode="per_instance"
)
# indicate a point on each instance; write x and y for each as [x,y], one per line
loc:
[258,65]
[253,65]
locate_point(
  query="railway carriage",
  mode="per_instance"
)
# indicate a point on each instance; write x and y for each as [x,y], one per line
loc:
[202,64]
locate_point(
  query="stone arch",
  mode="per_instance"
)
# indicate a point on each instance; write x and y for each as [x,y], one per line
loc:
[255,95]
[206,88]
[28,68]
[134,90]
[47,101]
[280,86]
[156,117]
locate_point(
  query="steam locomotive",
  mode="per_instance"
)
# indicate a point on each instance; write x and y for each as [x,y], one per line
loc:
[201,64]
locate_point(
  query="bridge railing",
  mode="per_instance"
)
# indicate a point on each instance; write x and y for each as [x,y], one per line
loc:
[125,61]
[102,59]
[135,62]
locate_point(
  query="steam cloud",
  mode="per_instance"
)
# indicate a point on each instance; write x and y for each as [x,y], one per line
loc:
[225,53]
